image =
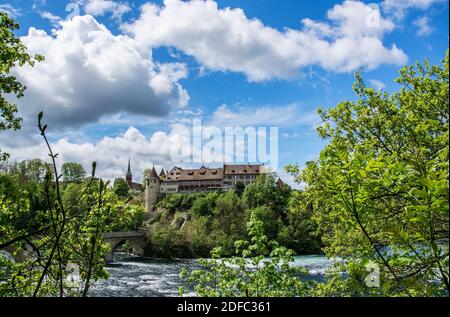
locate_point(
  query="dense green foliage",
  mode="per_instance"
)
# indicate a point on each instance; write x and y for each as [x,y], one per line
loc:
[377,195]
[380,187]
[12,54]
[52,228]
[301,232]
[121,188]
[72,172]
[218,219]
[248,273]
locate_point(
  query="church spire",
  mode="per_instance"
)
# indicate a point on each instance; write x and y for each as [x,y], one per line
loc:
[129,176]
[129,167]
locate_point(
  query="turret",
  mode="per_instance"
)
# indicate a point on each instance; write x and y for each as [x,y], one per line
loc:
[162,175]
[279,183]
[152,189]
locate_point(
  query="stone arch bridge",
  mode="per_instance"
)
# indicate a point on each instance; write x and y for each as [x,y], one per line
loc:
[138,240]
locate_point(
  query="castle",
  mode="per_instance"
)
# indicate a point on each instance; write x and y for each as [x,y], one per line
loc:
[204,179]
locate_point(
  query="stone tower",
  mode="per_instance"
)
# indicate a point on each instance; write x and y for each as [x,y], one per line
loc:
[129,176]
[152,188]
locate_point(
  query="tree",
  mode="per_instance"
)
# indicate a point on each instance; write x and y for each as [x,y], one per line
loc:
[121,188]
[380,187]
[300,233]
[204,205]
[239,188]
[12,54]
[70,193]
[32,171]
[229,213]
[264,191]
[271,221]
[171,203]
[235,276]
[72,172]
[59,233]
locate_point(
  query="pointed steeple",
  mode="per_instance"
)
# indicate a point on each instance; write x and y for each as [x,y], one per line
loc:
[129,167]
[152,174]
[279,182]
[128,175]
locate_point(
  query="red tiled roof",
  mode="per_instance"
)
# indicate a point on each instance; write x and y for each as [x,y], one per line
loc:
[243,169]
[201,174]
[136,186]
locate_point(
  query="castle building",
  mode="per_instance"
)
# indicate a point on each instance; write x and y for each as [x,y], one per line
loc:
[204,179]
[246,174]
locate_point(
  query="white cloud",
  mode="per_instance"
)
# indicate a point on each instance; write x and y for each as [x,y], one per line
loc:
[423,26]
[38,3]
[102,7]
[289,115]
[9,10]
[377,84]
[54,19]
[399,8]
[89,73]
[226,40]
[110,153]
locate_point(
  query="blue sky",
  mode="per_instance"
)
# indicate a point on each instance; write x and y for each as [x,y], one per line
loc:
[119,78]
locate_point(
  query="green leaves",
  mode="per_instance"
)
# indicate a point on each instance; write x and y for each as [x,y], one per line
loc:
[381,183]
[12,54]
[63,223]
[73,172]
[248,273]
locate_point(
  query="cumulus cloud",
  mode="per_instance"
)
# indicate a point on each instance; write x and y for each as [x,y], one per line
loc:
[226,40]
[110,153]
[88,73]
[102,7]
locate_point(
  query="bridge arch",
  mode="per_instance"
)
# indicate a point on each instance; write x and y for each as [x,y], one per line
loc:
[137,239]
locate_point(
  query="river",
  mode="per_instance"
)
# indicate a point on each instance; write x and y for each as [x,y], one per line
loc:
[132,276]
